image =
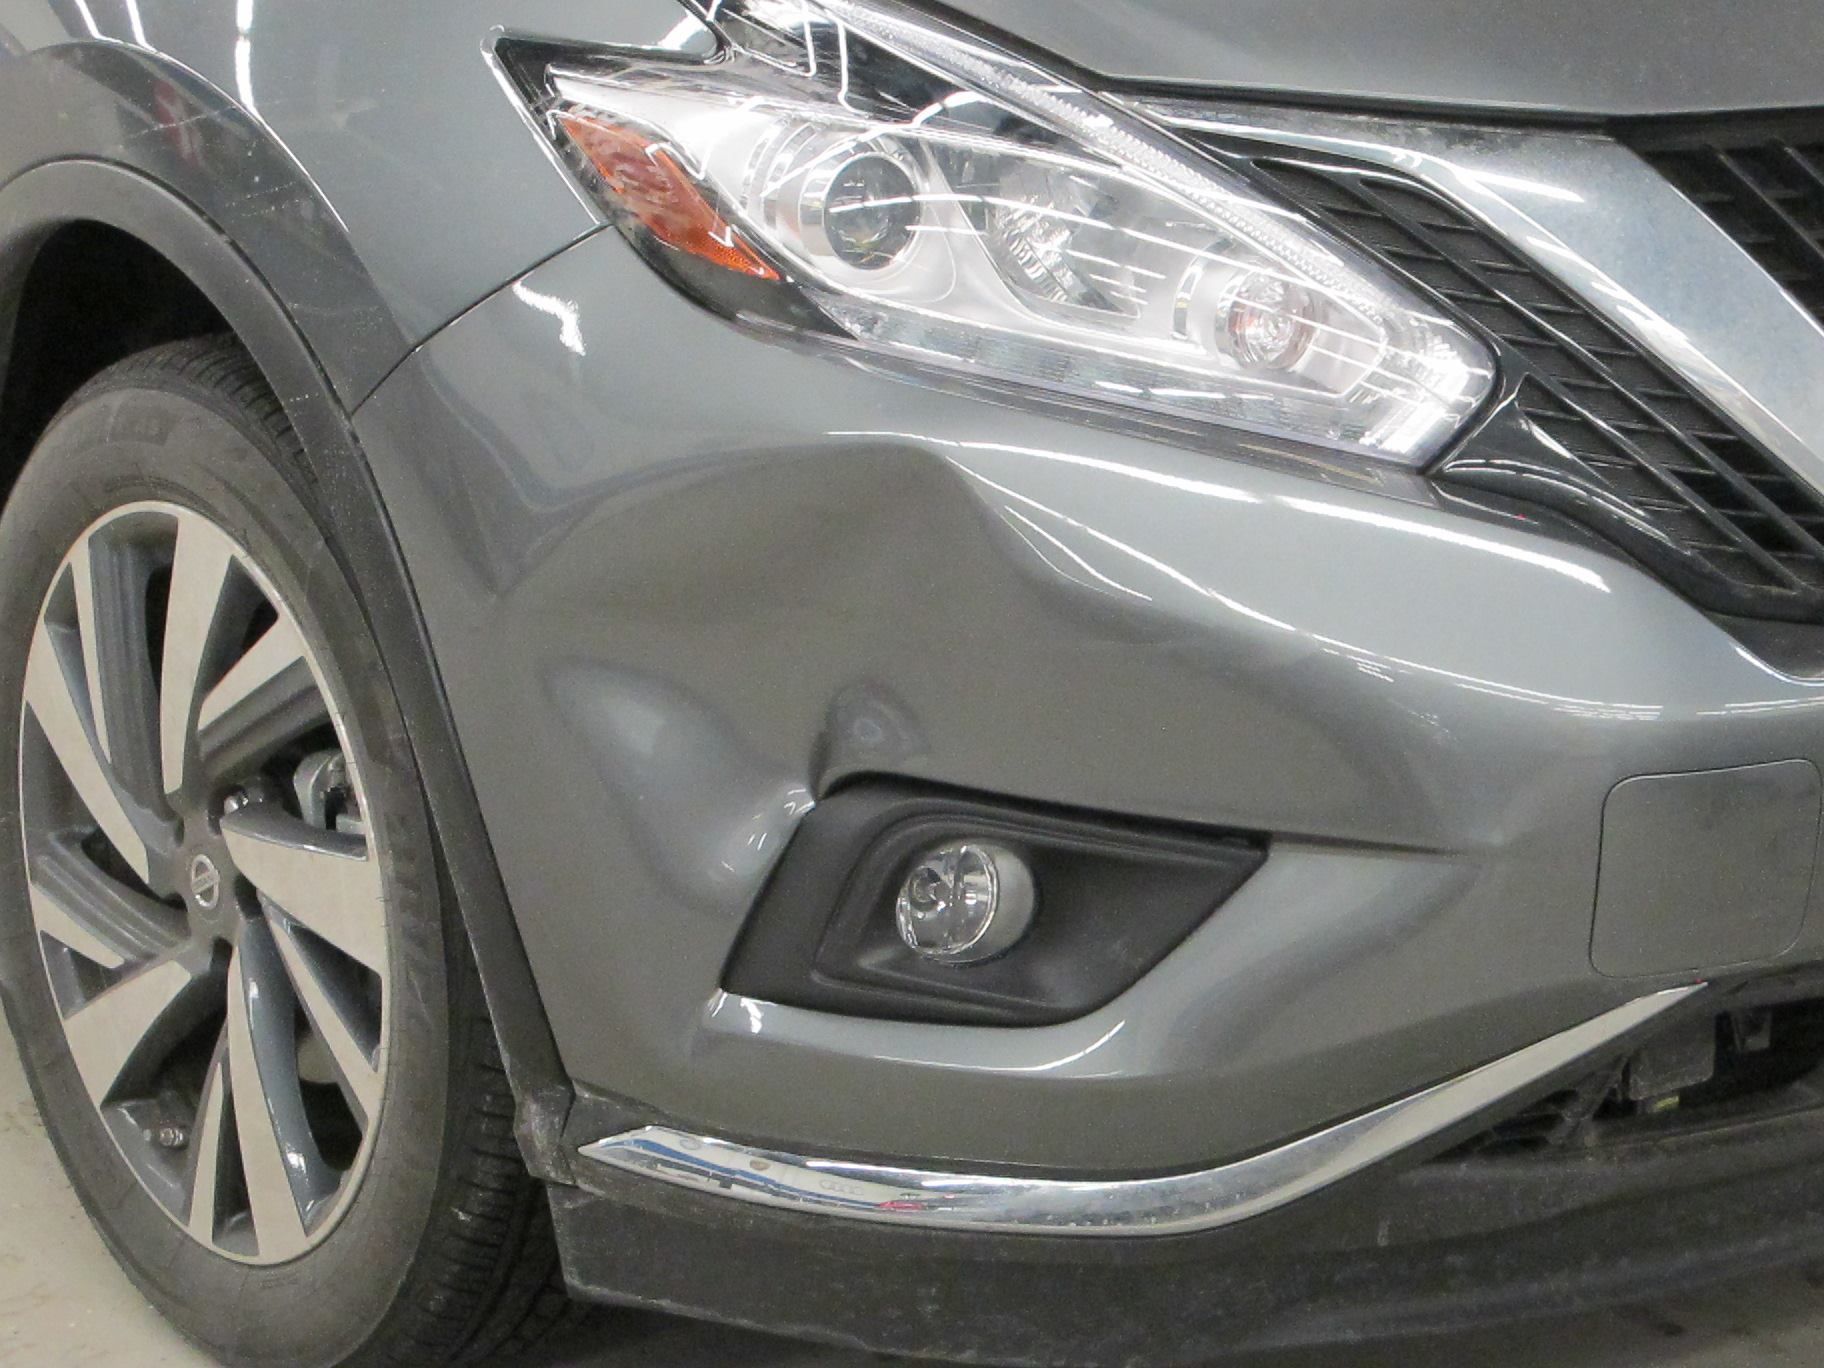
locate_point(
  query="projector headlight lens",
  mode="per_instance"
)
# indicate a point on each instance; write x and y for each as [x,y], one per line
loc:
[869,209]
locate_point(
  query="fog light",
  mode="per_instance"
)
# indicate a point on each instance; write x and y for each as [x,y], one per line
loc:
[965,902]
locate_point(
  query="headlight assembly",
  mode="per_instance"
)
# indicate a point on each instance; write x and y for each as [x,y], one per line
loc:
[859,172]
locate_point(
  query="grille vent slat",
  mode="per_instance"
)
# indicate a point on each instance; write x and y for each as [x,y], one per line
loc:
[1629,422]
[1762,183]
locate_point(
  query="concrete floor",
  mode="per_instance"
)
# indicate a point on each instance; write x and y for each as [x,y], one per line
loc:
[62,1301]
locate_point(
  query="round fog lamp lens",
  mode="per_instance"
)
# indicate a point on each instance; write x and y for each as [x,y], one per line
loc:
[965,902]
[870,210]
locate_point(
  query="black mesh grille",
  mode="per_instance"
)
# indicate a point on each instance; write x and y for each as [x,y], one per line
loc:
[1654,465]
[1763,184]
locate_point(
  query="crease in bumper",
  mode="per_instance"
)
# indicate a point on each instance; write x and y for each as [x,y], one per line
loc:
[1175,1204]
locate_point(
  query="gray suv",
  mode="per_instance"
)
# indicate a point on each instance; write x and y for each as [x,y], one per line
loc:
[1057,683]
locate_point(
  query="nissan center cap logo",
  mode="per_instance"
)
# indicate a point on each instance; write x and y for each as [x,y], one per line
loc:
[205,881]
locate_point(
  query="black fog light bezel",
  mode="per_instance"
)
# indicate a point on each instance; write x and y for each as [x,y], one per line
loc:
[1115,896]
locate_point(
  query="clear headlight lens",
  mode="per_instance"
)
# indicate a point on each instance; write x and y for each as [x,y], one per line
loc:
[856,170]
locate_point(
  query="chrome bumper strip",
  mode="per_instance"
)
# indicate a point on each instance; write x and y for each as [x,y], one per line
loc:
[1172,1205]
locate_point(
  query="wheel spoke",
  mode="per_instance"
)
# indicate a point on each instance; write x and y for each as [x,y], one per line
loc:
[268,697]
[207,1150]
[76,904]
[136,1022]
[171,706]
[56,918]
[196,645]
[110,580]
[50,694]
[283,1168]
[335,1014]
[325,880]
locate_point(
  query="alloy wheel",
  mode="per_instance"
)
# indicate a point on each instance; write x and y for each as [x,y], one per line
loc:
[209,901]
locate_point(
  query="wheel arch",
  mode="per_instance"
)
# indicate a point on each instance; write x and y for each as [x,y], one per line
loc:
[201,281]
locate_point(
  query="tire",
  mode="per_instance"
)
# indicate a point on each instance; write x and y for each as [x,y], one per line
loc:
[419,1236]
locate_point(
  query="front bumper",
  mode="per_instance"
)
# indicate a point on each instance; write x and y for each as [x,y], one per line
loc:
[1440,1246]
[1170,1204]
[682,581]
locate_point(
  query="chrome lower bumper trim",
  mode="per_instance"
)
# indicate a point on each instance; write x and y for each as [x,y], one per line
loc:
[1173,1205]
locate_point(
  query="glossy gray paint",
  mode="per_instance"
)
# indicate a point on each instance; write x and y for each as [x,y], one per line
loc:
[1556,57]
[680,581]
[1698,868]
[363,157]
[829,570]
[184,124]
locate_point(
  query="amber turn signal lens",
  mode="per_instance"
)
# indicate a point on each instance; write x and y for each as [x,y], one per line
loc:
[644,176]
